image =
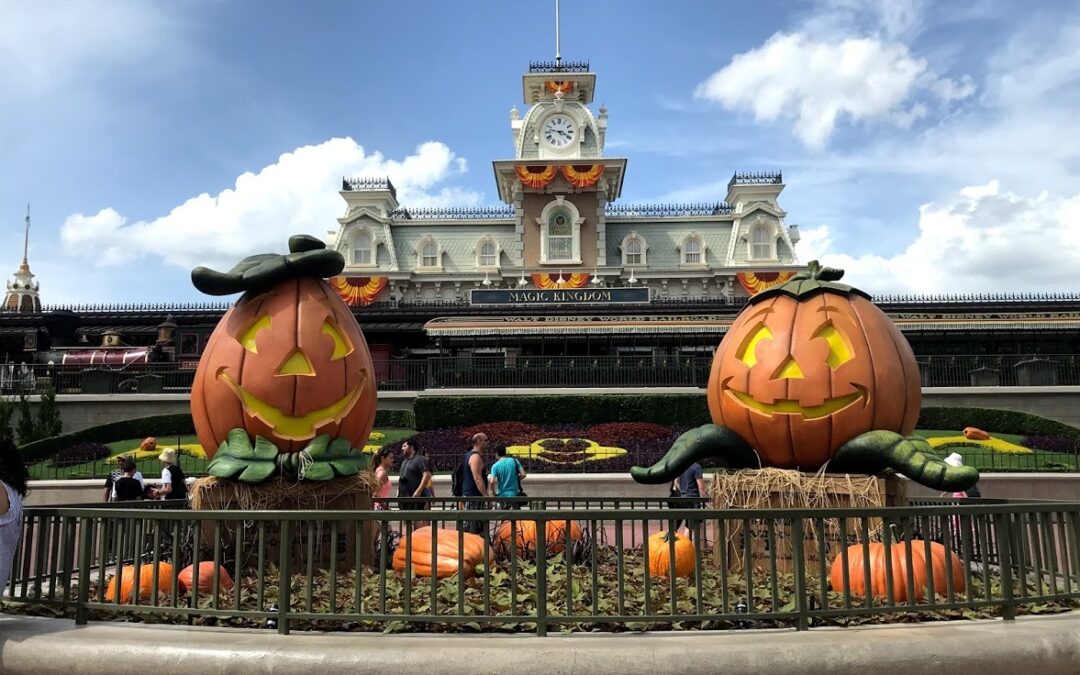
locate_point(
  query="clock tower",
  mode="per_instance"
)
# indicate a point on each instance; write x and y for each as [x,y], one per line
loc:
[559,181]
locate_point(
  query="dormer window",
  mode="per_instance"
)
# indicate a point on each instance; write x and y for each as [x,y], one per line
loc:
[762,243]
[634,249]
[363,248]
[693,251]
[487,254]
[429,256]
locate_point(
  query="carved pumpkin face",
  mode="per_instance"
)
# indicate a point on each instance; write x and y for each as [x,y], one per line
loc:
[799,377]
[286,364]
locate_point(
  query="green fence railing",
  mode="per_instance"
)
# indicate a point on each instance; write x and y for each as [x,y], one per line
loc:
[562,564]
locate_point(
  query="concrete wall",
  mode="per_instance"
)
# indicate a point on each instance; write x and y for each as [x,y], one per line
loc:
[80,411]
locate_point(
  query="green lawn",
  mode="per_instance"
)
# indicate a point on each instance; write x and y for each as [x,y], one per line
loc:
[988,460]
[150,466]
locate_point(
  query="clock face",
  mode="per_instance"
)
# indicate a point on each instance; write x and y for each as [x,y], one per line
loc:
[559,130]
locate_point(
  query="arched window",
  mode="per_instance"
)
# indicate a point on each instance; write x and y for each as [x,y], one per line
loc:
[634,249]
[429,255]
[363,253]
[692,251]
[560,237]
[761,245]
[488,255]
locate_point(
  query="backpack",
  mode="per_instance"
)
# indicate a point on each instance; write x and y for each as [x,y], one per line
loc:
[457,480]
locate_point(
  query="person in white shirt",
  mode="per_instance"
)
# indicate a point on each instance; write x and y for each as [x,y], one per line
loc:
[13,479]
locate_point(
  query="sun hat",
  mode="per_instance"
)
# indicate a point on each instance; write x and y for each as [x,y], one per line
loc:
[168,455]
[955,459]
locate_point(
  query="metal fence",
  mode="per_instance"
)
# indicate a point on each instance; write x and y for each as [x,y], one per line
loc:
[533,371]
[550,565]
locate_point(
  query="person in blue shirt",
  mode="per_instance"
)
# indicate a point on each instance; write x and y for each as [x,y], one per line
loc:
[506,476]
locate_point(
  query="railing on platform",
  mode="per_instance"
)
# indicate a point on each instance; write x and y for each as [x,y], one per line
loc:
[533,371]
[590,567]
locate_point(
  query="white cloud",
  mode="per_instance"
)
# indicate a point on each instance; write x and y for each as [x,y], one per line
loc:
[817,83]
[979,239]
[298,193]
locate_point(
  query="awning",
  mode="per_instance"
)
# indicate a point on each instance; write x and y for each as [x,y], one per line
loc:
[575,325]
[951,324]
[384,327]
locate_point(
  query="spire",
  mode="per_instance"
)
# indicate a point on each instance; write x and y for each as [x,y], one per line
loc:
[558,56]
[26,239]
[22,290]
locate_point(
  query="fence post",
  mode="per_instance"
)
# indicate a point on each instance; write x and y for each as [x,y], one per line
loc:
[798,556]
[284,575]
[85,543]
[541,578]
[1003,534]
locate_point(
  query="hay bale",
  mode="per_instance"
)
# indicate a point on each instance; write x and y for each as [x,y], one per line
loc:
[282,494]
[770,488]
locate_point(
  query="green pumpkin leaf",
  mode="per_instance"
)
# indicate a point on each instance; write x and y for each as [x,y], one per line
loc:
[345,467]
[224,466]
[257,472]
[339,447]
[319,471]
[317,447]
[239,444]
[264,449]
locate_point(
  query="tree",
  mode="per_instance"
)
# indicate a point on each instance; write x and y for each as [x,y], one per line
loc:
[25,428]
[48,416]
[7,410]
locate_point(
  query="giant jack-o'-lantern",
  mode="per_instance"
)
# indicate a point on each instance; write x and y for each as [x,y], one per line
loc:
[286,370]
[807,367]
[812,372]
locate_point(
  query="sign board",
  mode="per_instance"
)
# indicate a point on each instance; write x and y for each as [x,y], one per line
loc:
[559,296]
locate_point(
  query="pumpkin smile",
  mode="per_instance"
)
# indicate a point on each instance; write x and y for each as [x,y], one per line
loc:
[291,427]
[786,406]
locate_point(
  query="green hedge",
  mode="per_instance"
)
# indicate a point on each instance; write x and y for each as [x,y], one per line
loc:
[689,410]
[994,421]
[178,424]
[395,419]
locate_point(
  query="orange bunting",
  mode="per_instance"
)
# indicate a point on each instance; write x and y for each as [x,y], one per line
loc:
[358,291]
[545,281]
[556,86]
[583,176]
[756,282]
[535,176]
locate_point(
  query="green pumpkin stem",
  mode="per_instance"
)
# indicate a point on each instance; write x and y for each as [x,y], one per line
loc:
[912,456]
[709,440]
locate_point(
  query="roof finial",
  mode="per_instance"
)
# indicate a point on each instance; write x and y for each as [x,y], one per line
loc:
[26,235]
[558,56]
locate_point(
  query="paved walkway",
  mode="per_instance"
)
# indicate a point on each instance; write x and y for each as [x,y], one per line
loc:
[1043,645]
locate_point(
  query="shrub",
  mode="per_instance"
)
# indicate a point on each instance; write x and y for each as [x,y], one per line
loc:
[619,433]
[995,421]
[395,419]
[155,425]
[688,410]
[1052,444]
[81,453]
[510,433]
[7,410]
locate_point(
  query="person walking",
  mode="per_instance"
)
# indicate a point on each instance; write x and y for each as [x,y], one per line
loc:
[115,474]
[127,488]
[414,476]
[690,485]
[383,461]
[13,477]
[173,482]
[473,483]
[506,476]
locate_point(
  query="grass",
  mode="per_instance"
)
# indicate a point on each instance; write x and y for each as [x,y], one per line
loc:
[987,460]
[149,466]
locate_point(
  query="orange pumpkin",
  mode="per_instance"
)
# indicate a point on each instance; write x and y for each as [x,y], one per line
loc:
[975,434]
[149,444]
[877,583]
[808,366]
[146,582]
[448,559]
[206,578]
[525,536]
[287,364]
[660,555]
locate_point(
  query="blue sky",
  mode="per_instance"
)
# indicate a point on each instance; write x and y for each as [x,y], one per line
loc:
[925,147]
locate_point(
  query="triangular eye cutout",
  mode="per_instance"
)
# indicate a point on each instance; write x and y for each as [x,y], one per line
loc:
[789,370]
[296,364]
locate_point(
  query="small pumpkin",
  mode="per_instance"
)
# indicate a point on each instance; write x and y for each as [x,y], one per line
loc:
[146,582]
[975,434]
[810,365]
[660,555]
[876,584]
[149,444]
[206,578]
[448,559]
[525,536]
